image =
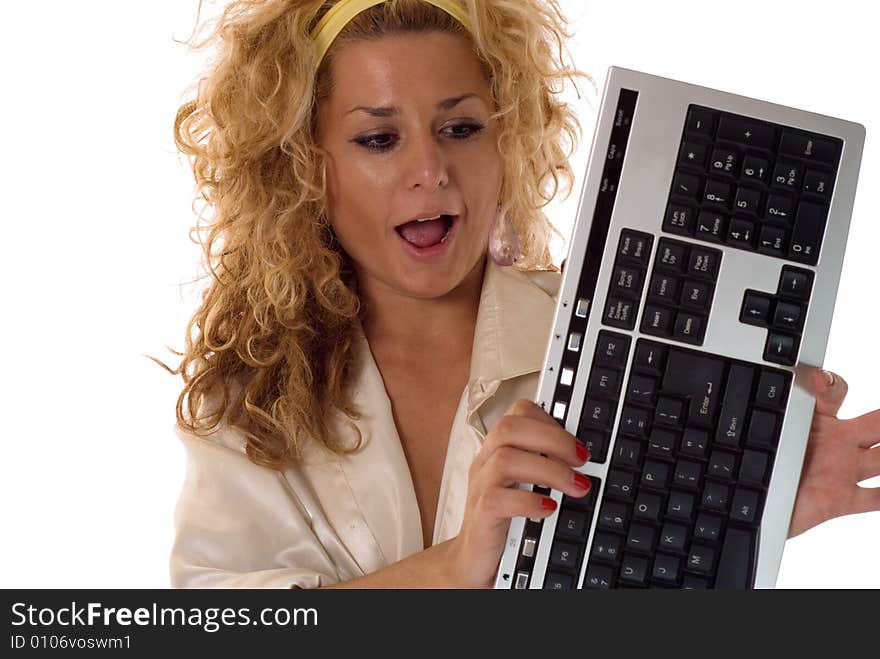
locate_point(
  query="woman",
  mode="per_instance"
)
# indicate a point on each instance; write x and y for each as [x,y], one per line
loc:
[356,405]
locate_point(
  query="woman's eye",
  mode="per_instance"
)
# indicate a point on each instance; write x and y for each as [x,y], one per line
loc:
[386,141]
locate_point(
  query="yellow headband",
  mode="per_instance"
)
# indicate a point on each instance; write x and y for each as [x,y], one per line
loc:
[340,14]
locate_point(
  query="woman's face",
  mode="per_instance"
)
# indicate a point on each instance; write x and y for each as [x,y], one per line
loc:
[407,135]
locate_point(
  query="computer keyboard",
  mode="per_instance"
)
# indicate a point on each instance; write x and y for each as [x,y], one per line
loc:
[696,301]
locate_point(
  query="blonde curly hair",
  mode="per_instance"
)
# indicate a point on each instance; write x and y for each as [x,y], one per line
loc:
[270,347]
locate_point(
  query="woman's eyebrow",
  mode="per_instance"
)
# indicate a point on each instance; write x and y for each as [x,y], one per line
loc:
[391,111]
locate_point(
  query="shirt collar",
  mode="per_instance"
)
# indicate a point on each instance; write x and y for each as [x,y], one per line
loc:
[514,321]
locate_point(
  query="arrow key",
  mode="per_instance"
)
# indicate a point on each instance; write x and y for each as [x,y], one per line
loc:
[780,349]
[788,316]
[756,309]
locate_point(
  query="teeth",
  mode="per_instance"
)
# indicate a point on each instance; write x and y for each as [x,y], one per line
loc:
[428,219]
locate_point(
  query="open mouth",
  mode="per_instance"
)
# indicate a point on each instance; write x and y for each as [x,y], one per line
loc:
[427,233]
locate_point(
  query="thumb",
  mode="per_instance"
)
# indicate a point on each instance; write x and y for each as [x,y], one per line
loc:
[830,391]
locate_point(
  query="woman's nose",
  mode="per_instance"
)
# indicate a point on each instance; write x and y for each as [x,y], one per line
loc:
[427,167]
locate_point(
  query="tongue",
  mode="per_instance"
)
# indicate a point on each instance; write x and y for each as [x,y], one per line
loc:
[423,234]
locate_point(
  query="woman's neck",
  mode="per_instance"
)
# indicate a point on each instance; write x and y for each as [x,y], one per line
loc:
[406,325]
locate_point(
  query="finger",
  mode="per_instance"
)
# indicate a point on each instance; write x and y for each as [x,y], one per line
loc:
[509,502]
[830,391]
[865,429]
[508,466]
[529,434]
[530,409]
[867,500]
[869,464]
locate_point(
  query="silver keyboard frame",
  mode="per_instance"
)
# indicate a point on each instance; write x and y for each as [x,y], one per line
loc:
[641,200]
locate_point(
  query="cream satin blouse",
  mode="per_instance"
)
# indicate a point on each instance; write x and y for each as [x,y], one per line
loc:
[331,518]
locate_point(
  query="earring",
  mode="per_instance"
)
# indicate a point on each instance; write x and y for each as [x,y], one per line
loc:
[503,242]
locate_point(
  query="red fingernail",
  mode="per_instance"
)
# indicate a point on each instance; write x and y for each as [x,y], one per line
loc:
[548,504]
[581,481]
[582,452]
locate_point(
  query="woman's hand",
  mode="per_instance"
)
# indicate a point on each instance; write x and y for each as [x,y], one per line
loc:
[838,456]
[511,455]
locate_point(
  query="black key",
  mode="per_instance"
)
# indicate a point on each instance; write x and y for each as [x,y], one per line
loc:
[671,256]
[635,246]
[695,442]
[640,538]
[780,209]
[556,581]
[795,283]
[633,570]
[669,412]
[711,226]
[627,453]
[771,389]
[788,316]
[787,175]
[708,527]
[655,474]
[564,555]
[715,497]
[596,441]
[733,410]
[686,185]
[722,465]
[604,382]
[753,468]
[648,506]
[688,474]
[627,279]
[701,122]
[698,377]
[756,309]
[572,524]
[808,147]
[673,537]
[679,219]
[819,183]
[745,131]
[666,568]
[597,414]
[599,576]
[741,233]
[689,328]
[806,237]
[744,507]
[762,430]
[701,559]
[662,443]
[620,312]
[693,154]
[657,320]
[606,547]
[680,506]
[650,358]
[773,240]
[718,193]
[695,294]
[585,502]
[780,348]
[756,169]
[612,349]
[724,161]
[663,288]
[704,263]
[690,582]
[634,421]
[641,389]
[748,200]
[735,566]
[620,484]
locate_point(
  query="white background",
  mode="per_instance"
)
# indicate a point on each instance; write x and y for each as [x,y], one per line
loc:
[95,219]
